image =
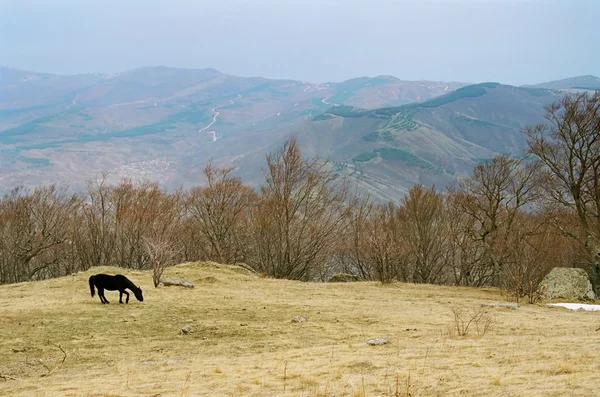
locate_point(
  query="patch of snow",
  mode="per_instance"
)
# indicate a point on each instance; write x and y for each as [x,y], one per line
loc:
[576,306]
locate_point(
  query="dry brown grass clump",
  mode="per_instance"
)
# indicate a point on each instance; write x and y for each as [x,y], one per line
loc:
[243,341]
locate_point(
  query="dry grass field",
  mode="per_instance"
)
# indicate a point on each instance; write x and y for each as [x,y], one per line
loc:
[244,343]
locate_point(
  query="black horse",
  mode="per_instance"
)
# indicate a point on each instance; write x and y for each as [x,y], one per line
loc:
[114,283]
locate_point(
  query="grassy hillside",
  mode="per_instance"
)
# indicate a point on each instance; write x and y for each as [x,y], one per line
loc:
[244,342]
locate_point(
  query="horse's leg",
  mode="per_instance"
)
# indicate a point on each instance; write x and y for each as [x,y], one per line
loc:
[126,299]
[121,296]
[101,295]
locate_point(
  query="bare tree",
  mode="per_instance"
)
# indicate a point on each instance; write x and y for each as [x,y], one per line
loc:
[95,237]
[492,197]
[32,226]
[350,252]
[466,254]
[299,214]
[383,247]
[568,146]
[425,232]
[142,210]
[530,243]
[221,212]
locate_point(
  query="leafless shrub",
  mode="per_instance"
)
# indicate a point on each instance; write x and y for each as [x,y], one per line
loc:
[162,253]
[464,321]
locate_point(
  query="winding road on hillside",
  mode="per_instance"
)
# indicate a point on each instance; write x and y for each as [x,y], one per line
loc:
[214,119]
[74,102]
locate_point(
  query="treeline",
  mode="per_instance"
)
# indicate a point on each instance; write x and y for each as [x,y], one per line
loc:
[505,225]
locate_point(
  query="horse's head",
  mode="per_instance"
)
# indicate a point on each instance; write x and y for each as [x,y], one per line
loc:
[138,294]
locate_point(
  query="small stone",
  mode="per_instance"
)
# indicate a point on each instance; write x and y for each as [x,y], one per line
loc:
[150,362]
[20,350]
[377,341]
[300,319]
[177,361]
[176,281]
[186,330]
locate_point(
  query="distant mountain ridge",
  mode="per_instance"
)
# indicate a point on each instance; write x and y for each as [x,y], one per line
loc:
[142,122]
[587,82]
[164,124]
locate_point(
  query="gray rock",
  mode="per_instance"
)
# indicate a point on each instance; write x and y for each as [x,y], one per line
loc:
[378,341]
[567,283]
[177,361]
[343,278]
[300,319]
[176,281]
[150,362]
[513,306]
[186,330]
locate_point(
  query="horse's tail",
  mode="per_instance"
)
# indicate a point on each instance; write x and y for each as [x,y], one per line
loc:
[92,285]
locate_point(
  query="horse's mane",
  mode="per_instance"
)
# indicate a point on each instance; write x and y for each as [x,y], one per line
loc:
[130,284]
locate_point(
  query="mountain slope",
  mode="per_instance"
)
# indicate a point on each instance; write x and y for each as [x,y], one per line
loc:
[388,150]
[162,123]
[577,83]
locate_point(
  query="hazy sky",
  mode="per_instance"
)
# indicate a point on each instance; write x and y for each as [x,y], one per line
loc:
[510,41]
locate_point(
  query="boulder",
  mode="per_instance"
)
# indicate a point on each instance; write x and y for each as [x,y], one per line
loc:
[567,283]
[176,281]
[343,278]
